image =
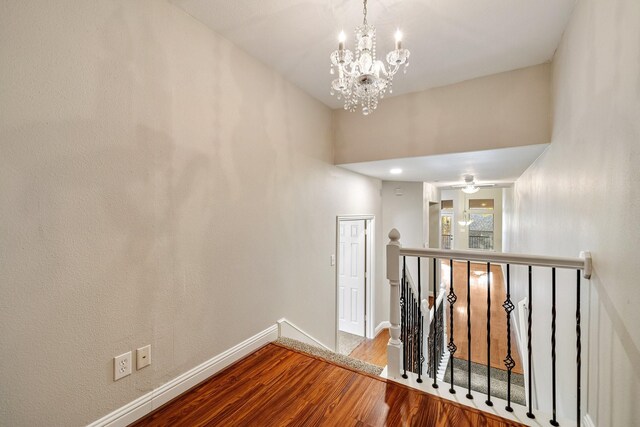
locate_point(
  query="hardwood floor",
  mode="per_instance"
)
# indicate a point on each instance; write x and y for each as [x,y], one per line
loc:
[373,351]
[276,386]
[479,315]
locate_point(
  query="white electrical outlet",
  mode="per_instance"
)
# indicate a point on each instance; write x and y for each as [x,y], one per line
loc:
[143,357]
[121,366]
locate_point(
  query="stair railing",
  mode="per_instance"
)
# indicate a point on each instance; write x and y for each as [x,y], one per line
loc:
[413,308]
[418,328]
[401,300]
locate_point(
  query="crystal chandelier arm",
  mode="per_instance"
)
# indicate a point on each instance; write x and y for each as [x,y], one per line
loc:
[350,70]
[393,69]
[398,57]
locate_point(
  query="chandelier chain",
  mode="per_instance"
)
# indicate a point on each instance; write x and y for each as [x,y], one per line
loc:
[364,11]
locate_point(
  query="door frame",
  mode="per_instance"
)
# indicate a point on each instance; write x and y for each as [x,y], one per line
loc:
[369,262]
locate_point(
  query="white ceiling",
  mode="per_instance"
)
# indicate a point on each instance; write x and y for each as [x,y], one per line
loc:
[450,40]
[501,166]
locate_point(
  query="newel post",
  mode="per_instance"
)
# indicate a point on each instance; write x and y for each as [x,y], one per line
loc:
[394,348]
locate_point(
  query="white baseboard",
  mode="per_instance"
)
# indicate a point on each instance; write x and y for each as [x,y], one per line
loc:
[151,401]
[383,325]
[587,421]
[287,329]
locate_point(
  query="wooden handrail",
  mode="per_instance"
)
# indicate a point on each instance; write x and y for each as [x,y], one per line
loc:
[582,263]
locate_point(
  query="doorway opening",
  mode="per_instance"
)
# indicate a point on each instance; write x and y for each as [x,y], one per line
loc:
[446,224]
[354,272]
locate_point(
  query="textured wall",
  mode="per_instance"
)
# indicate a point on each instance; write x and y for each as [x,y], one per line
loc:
[583,193]
[157,186]
[406,214]
[503,110]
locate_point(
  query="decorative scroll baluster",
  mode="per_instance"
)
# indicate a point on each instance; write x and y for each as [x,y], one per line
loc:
[530,413]
[508,361]
[436,341]
[403,314]
[578,346]
[553,421]
[488,401]
[420,342]
[451,298]
[469,395]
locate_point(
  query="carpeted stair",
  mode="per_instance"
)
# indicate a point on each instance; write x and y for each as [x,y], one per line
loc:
[479,380]
[348,342]
[330,356]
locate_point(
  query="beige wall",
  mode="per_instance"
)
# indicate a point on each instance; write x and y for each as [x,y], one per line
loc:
[405,213]
[503,110]
[157,186]
[583,193]
[409,214]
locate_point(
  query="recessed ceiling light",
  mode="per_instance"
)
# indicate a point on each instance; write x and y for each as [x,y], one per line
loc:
[395,171]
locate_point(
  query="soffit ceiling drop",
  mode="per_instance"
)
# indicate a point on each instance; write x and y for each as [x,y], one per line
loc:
[501,166]
[450,40]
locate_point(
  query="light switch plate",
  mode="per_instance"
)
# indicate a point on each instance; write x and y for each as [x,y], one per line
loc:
[333,259]
[143,357]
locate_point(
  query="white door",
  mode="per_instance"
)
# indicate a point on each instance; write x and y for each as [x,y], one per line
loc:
[351,276]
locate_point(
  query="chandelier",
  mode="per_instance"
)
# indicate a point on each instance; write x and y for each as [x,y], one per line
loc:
[363,79]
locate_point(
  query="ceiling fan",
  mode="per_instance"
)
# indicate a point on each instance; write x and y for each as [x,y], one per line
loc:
[470,185]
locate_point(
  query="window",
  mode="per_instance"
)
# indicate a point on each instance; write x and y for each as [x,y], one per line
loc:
[481,231]
[447,232]
[480,203]
[446,204]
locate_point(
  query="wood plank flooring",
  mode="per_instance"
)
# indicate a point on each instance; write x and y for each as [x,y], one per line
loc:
[373,351]
[276,386]
[479,315]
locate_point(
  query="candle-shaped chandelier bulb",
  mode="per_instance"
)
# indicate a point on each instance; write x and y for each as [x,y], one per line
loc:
[362,79]
[398,39]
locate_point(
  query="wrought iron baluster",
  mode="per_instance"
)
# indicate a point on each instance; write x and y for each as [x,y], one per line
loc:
[488,401]
[420,337]
[578,347]
[416,336]
[553,421]
[435,325]
[469,395]
[452,299]
[417,343]
[410,331]
[530,413]
[508,361]
[403,314]
[421,358]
